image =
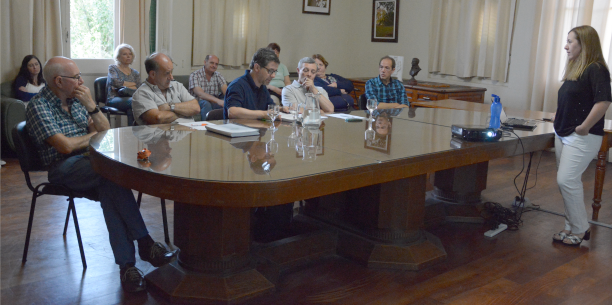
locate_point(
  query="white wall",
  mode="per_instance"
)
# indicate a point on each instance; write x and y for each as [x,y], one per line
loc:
[343,38]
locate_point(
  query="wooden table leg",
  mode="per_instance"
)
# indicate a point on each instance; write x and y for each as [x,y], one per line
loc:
[382,225]
[600,173]
[214,264]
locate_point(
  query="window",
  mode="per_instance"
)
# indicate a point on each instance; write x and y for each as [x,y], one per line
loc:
[92,28]
[600,19]
[89,29]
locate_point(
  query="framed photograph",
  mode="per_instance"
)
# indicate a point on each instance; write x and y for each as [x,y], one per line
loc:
[385,15]
[316,7]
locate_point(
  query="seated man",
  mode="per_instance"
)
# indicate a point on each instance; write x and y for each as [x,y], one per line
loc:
[61,120]
[160,99]
[390,93]
[208,86]
[296,92]
[247,96]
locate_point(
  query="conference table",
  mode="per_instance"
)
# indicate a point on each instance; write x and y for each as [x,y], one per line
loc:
[606,143]
[369,188]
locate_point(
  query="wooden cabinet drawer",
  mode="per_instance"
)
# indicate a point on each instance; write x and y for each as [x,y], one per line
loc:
[426,96]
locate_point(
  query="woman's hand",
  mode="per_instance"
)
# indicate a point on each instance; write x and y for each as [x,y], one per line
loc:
[335,85]
[342,91]
[580,130]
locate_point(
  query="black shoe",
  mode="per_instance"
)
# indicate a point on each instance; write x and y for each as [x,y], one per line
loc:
[132,280]
[157,255]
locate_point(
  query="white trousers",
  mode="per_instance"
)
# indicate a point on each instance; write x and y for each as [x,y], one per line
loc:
[574,153]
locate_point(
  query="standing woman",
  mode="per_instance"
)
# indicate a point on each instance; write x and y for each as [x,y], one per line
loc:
[29,80]
[122,80]
[583,100]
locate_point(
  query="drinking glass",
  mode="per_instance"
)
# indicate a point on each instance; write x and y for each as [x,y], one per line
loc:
[293,110]
[273,111]
[372,105]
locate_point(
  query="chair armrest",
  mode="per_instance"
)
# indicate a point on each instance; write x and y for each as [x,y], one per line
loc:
[13,112]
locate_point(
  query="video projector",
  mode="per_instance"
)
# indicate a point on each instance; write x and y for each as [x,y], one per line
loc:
[476,133]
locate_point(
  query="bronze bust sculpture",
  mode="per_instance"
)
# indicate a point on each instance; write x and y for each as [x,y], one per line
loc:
[414,70]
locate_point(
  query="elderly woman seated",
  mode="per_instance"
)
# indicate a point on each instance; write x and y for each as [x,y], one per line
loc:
[337,87]
[122,80]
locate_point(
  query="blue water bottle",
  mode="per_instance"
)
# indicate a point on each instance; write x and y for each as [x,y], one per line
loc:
[496,108]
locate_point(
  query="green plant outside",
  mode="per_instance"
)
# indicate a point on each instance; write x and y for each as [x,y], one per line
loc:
[92,28]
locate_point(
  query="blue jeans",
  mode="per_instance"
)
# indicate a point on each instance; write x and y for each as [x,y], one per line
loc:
[123,104]
[123,219]
[206,107]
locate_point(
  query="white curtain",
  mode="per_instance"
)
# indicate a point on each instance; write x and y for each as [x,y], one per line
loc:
[231,29]
[471,38]
[555,18]
[29,27]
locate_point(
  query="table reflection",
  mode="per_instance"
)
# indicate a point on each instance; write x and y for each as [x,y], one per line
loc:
[379,137]
[157,139]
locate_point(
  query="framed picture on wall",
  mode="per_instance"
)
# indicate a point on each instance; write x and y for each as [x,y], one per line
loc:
[385,15]
[316,7]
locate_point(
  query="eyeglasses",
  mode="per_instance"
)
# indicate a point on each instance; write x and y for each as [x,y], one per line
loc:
[270,72]
[76,77]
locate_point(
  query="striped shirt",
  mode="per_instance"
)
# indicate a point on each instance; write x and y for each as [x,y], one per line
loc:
[45,118]
[394,92]
[212,86]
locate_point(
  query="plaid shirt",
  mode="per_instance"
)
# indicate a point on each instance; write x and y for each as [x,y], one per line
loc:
[212,87]
[45,118]
[394,92]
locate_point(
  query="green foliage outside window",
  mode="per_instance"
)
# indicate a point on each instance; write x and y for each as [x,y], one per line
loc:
[92,28]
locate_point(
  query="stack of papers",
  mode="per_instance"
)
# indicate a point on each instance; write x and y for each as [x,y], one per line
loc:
[288,117]
[201,125]
[233,130]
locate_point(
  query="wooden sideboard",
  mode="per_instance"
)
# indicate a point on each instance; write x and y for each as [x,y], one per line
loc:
[429,91]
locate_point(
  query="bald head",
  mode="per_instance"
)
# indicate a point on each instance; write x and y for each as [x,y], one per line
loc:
[159,68]
[153,61]
[55,67]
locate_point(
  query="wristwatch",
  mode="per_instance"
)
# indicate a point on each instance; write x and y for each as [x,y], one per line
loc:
[94,111]
[172,107]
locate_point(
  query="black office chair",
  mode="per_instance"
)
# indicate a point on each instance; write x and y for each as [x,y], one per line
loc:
[100,95]
[29,162]
[214,115]
[363,101]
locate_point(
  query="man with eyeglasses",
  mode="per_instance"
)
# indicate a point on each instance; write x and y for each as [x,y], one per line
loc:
[161,99]
[60,120]
[247,96]
[296,92]
[390,93]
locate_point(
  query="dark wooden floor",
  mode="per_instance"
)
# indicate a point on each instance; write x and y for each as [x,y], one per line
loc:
[520,267]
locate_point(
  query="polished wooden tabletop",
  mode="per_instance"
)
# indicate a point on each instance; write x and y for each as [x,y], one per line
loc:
[251,173]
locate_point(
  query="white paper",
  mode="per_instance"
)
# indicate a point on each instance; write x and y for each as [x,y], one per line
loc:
[201,125]
[399,67]
[345,116]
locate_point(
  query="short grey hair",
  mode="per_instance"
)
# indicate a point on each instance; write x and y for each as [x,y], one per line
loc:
[263,57]
[121,47]
[306,60]
[52,69]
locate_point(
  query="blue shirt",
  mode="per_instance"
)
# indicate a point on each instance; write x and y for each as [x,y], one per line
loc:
[394,92]
[242,92]
[45,118]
